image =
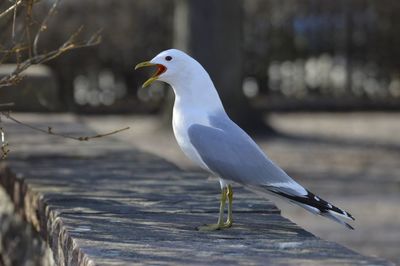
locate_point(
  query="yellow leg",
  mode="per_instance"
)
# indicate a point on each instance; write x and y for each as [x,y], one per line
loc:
[229,193]
[226,192]
[220,224]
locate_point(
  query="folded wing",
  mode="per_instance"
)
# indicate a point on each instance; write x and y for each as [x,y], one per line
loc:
[231,154]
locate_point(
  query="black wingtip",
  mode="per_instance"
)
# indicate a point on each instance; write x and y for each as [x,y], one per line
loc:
[349,215]
[349,226]
[324,207]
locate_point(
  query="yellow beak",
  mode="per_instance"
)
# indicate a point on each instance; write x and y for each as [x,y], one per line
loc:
[161,69]
[144,64]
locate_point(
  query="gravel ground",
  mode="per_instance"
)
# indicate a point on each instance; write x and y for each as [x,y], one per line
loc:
[350,159]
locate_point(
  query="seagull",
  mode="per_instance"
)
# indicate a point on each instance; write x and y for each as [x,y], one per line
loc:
[207,135]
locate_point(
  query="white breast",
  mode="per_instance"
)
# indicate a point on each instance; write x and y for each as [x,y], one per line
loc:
[182,118]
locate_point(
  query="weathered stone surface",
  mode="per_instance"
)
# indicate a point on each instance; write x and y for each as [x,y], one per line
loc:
[105,203]
[20,244]
[349,159]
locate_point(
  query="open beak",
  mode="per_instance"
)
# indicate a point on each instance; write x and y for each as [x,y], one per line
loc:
[160,69]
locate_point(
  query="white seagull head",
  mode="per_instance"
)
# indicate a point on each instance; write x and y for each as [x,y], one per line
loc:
[174,67]
[189,80]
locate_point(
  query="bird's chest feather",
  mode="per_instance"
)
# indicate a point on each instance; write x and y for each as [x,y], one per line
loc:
[182,119]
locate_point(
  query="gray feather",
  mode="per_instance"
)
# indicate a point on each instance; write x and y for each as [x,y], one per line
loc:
[230,153]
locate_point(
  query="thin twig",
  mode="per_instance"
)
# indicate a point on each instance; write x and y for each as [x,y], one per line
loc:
[10,9]
[43,26]
[103,135]
[51,132]
[70,44]
[28,24]
[34,56]
[13,23]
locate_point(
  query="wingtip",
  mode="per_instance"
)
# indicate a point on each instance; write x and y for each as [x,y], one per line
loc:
[349,215]
[349,226]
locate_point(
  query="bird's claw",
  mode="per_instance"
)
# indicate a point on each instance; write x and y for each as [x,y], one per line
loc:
[213,227]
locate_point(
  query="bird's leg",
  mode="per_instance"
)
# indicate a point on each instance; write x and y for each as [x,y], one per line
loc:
[220,224]
[229,194]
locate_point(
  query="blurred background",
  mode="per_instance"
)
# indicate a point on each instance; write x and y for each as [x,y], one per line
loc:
[317,82]
[296,55]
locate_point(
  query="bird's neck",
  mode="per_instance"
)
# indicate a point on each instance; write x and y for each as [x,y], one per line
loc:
[197,94]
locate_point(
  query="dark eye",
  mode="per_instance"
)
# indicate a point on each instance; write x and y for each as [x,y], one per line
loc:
[168,58]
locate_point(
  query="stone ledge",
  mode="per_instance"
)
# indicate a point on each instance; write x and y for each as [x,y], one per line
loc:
[105,203]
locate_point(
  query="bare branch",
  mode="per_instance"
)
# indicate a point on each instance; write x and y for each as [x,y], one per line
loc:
[13,23]
[70,44]
[34,56]
[10,9]
[26,53]
[103,135]
[44,26]
[51,132]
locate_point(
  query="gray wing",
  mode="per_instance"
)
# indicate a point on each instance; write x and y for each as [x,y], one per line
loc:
[229,152]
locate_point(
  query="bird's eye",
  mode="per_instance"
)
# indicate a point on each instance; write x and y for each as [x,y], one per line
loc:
[168,58]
